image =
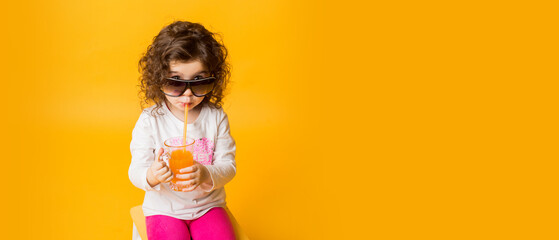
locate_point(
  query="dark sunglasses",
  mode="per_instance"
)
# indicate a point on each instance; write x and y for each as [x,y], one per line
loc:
[176,87]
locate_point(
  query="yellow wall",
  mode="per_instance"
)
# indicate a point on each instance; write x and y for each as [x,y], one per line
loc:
[407,120]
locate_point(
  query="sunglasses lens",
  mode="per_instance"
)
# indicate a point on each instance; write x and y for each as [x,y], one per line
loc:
[203,87]
[173,88]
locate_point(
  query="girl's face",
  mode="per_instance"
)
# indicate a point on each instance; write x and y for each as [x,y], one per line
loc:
[188,71]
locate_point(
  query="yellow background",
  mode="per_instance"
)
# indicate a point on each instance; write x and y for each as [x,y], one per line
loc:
[353,120]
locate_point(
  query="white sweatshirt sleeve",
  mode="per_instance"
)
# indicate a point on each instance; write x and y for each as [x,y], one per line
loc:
[142,148]
[224,167]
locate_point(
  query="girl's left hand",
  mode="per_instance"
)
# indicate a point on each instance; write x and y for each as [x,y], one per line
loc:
[191,177]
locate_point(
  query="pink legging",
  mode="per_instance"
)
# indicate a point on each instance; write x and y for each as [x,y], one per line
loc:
[215,224]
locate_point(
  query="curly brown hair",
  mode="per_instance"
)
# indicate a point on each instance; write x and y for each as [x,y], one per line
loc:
[183,41]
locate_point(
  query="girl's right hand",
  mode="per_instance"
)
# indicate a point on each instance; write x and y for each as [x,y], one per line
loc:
[158,172]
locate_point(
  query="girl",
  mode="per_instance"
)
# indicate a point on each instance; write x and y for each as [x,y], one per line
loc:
[184,67]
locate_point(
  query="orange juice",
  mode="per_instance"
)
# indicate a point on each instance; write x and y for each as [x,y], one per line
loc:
[180,158]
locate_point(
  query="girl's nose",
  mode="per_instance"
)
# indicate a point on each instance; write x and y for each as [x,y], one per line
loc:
[187,93]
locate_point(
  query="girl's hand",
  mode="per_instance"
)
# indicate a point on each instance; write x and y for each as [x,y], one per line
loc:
[158,172]
[191,177]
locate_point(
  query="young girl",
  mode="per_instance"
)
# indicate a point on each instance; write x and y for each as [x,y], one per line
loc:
[184,67]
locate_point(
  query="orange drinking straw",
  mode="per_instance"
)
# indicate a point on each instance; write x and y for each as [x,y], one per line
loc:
[185,118]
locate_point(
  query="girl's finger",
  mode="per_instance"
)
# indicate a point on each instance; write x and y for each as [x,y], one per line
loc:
[183,183]
[167,174]
[186,183]
[190,169]
[182,176]
[166,177]
[189,188]
[159,153]
[186,176]
[158,165]
[169,179]
[162,170]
